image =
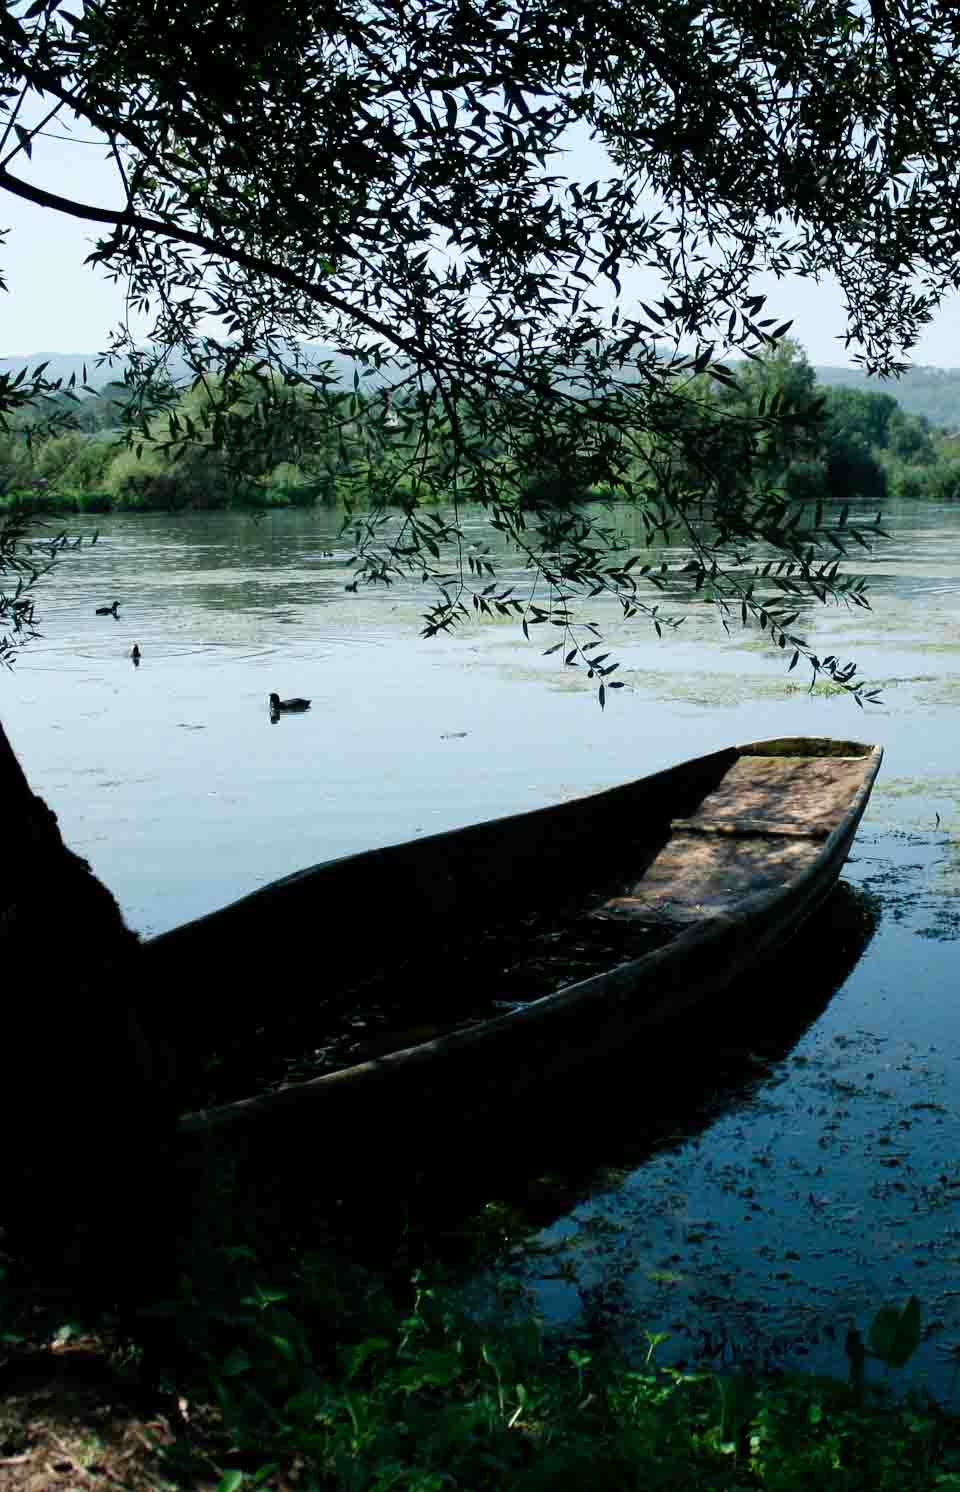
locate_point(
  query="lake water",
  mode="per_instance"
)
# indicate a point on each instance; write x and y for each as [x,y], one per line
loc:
[809,1174]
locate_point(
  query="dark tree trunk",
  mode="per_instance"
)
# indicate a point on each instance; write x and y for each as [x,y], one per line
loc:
[85,1105]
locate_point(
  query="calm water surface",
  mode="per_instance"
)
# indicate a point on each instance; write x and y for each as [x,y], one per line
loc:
[814,1171]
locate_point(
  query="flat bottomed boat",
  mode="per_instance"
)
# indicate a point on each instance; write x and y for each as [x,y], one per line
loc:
[442,978]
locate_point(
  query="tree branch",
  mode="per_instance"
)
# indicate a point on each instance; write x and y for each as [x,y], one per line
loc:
[220,250]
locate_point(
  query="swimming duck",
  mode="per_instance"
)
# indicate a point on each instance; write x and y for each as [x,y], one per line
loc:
[109,610]
[135,653]
[277,705]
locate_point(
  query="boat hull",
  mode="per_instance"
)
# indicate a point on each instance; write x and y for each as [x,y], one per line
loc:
[731,853]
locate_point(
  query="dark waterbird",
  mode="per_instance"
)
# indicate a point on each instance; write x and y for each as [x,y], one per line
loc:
[278,706]
[109,610]
[135,655]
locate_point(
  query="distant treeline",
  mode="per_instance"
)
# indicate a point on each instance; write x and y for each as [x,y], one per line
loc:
[842,442]
[931,392]
[76,455]
[864,443]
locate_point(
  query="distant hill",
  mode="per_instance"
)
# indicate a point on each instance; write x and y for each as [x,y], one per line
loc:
[934,392]
[65,365]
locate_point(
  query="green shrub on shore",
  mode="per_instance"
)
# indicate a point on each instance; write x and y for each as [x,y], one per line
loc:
[93,502]
[937,483]
[309,1351]
[316,1366]
[834,443]
[30,502]
[431,1399]
[41,502]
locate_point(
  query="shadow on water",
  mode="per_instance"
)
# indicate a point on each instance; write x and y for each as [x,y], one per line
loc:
[655,1098]
[568,1144]
[542,1157]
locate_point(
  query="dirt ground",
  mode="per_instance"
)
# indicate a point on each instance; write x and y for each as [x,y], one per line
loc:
[70,1422]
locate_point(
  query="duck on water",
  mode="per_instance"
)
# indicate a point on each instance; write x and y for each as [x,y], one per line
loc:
[109,610]
[280,706]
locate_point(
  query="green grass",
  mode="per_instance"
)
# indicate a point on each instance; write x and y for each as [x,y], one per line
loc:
[365,1380]
[426,1398]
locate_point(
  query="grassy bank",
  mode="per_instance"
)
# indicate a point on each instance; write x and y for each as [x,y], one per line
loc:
[260,1361]
[31,502]
[275,1384]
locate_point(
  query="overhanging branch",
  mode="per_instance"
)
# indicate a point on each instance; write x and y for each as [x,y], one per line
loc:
[157,228]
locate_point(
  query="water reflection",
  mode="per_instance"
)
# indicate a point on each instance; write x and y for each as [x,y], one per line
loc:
[824,1190]
[658,1095]
[579,1146]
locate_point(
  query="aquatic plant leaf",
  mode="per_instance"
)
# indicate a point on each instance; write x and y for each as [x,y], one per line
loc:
[238,1362]
[895,1332]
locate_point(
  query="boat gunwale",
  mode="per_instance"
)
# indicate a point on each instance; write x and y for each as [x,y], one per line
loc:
[688,940]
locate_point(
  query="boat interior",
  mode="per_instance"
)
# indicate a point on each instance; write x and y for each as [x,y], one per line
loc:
[393,947]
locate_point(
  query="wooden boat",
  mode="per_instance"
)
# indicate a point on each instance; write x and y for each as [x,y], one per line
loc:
[577,928]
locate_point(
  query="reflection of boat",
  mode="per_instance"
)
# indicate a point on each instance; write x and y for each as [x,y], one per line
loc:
[450,975]
[661,1094]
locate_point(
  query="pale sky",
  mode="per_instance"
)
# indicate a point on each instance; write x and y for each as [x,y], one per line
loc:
[56,304]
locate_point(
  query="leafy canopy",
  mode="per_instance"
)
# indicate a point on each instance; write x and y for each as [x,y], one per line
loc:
[396,180]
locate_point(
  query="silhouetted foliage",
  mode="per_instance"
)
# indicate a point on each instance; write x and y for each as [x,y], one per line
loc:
[396,184]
